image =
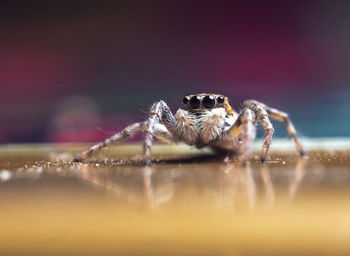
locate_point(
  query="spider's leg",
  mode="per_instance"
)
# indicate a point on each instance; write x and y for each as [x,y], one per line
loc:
[263,117]
[245,125]
[283,117]
[159,112]
[162,134]
[118,137]
[247,118]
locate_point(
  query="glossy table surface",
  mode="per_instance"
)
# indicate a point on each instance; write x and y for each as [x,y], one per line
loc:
[188,202]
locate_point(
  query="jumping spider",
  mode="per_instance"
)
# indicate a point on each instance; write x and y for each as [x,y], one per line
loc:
[205,120]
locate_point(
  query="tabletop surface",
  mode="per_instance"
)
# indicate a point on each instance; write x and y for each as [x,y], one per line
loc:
[188,202]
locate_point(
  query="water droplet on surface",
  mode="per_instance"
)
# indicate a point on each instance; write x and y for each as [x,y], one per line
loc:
[5,175]
[227,159]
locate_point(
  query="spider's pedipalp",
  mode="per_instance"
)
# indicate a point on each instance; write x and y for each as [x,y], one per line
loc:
[241,133]
[210,125]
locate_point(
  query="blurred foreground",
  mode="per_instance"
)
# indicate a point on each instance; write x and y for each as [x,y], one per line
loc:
[187,203]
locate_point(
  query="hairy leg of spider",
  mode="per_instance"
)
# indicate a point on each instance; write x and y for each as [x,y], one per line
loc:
[118,137]
[283,117]
[159,112]
[263,117]
[162,134]
[248,122]
[245,125]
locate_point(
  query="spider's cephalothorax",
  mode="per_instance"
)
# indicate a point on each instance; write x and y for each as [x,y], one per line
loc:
[202,119]
[205,120]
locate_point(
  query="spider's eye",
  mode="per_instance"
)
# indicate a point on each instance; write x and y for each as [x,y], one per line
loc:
[195,102]
[221,99]
[185,100]
[208,101]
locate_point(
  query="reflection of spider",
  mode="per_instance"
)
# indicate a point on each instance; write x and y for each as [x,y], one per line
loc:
[205,120]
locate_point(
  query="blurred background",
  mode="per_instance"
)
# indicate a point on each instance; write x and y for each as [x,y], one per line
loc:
[74,71]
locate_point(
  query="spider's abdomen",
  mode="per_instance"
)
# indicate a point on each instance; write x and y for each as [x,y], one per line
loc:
[200,128]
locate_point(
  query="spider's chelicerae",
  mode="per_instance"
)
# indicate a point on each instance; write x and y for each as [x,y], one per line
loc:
[205,120]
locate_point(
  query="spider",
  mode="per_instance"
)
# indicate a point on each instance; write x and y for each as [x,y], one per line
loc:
[205,120]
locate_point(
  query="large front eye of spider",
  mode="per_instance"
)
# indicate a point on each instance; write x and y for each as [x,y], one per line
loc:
[208,101]
[195,102]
